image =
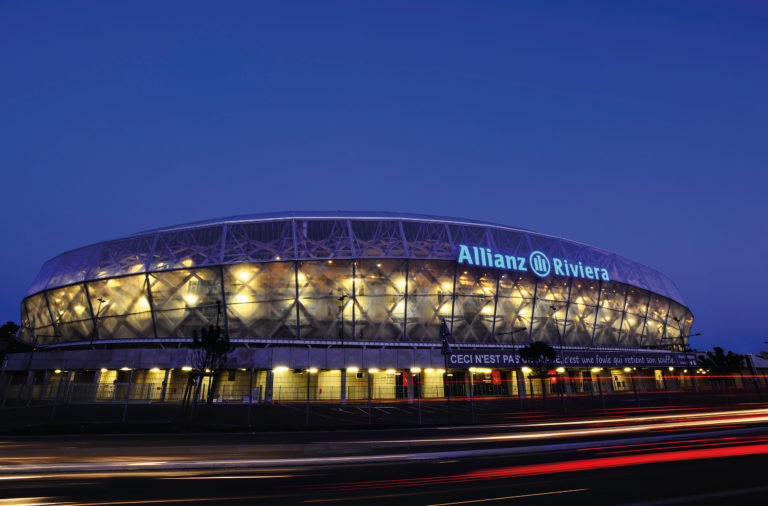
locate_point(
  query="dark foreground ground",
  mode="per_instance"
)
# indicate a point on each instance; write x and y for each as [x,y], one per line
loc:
[685,454]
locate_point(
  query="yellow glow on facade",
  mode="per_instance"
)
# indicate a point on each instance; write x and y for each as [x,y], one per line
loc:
[352,369]
[487,309]
[187,262]
[279,369]
[104,370]
[335,371]
[186,368]
[143,303]
[154,369]
[526,370]
[390,371]
[190,299]
[415,369]
[125,368]
[560,370]
[429,371]
[301,277]
[312,370]
[373,370]
[596,369]
[241,298]
[243,275]
[57,371]
[79,308]
[440,371]
[627,369]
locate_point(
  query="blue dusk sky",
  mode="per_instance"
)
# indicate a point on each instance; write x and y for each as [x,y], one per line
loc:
[635,126]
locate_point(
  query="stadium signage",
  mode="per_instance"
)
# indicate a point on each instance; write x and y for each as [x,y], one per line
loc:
[569,358]
[537,262]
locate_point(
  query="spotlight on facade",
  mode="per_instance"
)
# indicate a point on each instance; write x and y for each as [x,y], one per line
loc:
[373,370]
[186,368]
[352,369]
[415,370]
[312,370]
[279,369]
[560,370]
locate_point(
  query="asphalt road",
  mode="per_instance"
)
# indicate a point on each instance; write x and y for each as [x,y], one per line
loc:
[689,455]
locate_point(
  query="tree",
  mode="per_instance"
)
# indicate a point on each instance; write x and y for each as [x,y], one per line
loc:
[211,348]
[540,357]
[721,364]
[8,342]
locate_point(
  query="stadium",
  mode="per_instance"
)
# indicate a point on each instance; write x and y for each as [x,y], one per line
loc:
[340,306]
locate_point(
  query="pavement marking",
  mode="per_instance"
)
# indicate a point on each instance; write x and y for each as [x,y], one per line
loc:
[521,496]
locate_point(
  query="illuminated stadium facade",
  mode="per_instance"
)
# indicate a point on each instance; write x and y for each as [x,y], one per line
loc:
[363,292]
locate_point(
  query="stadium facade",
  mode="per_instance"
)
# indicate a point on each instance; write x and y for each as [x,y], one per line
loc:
[335,301]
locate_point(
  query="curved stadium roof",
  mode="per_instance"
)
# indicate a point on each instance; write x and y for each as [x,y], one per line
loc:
[323,235]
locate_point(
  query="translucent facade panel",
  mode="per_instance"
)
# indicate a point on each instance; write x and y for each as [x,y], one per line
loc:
[468,234]
[73,331]
[126,256]
[552,289]
[677,323]
[119,296]
[321,284]
[131,326]
[652,336]
[252,242]
[548,320]
[607,327]
[514,308]
[430,298]
[380,287]
[427,240]
[37,311]
[323,238]
[474,305]
[658,308]
[637,301]
[631,330]
[69,304]
[612,296]
[585,291]
[123,310]
[580,324]
[187,248]
[376,238]
[261,300]
[44,276]
[185,300]
[74,265]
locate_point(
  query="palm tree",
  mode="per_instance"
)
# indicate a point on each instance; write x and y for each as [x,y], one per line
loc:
[540,356]
[721,364]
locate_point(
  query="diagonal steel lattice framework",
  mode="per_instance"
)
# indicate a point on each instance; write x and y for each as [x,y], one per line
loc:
[280,276]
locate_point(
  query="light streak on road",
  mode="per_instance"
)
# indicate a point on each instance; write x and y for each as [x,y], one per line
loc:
[521,496]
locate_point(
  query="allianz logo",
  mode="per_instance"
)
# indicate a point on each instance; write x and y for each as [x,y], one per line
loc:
[537,262]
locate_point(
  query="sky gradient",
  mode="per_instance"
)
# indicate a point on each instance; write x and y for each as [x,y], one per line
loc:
[637,127]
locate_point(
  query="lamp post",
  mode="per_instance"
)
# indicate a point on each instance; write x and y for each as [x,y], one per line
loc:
[562,358]
[512,333]
[96,319]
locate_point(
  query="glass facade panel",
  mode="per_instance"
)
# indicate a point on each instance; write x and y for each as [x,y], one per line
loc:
[321,284]
[380,287]
[579,327]
[612,296]
[261,300]
[430,298]
[132,326]
[584,291]
[119,296]
[552,289]
[474,305]
[185,300]
[607,327]
[548,320]
[37,311]
[514,308]
[632,330]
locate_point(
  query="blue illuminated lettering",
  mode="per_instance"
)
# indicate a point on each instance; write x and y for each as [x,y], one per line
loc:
[541,265]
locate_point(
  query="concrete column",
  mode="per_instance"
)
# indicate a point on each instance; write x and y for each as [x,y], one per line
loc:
[410,386]
[43,386]
[164,390]
[343,386]
[268,386]
[520,378]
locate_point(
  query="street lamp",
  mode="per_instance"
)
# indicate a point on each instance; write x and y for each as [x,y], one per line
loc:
[96,319]
[512,333]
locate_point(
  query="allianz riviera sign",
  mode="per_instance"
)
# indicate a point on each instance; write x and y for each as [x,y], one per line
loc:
[536,262]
